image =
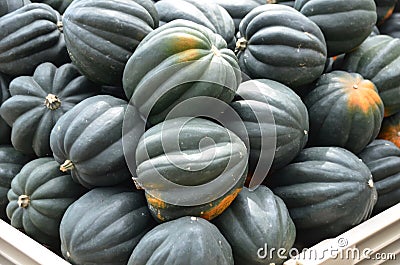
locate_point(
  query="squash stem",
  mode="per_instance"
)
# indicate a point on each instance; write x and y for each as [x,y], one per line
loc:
[241,45]
[52,102]
[23,201]
[60,26]
[68,165]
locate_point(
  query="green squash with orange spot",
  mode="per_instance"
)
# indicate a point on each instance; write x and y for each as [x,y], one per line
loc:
[190,167]
[180,60]
[345,110]
[391,129]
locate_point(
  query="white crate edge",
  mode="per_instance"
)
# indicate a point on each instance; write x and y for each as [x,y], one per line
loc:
[19,249]
[377,233]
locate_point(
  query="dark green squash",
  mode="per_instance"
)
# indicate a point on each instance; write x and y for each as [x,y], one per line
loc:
[384,9]
[38,101]
[185,241]
[5,130]
[59,5]
[204,176]
[7,6]
[38,198]
[281,44]
[254,220]
[391,129]
[238,9]
[289,123]
[345,24]
[101,35]
[104,226]
[378,59]
[391,26]
[11,162]
[327,190]
[345,110]
[383,159]
[87,141]
[206,13]
[30,36]
[178,61]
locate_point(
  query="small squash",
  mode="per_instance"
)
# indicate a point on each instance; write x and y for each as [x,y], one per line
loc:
[378,59]
[38,101]
[327,190]
[345,24]
[178,61]
[184,172]
[384,9]
[87,141]
[289,120]
[281,44]
[345,111]
[101,35]
[38,198]
[391,129]
[383,159]
[11,162]
[59,5]
[104,226]
[391,26]
[187,240]
[254,220]
[30,36]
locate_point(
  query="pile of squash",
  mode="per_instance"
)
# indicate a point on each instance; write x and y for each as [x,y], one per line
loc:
[113,149]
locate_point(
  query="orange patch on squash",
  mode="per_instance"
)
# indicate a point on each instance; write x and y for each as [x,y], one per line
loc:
[388,14]
[189,55]
[155,202]
[362,94]
[221,206]
[391,133]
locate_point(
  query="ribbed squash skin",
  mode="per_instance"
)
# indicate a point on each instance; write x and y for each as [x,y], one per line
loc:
[327,190]
[290,120]
[104,226]
[226,160]
[5,130]
[7,6]
[102,34]
[185,241]
[384,9]
[383,159]
[50,193]
[345,24]
[238,9]
[59,5]
[391,26]
[206,13]
[32,111]
[11,162]
[282,45]
[345,111]
[29,37]
[254,219]
[90,137]
[391,129]
[180,60]
[378,59]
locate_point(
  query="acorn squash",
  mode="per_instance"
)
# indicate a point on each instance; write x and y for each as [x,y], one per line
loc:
[101,35]
[187,240]
[345,110]
[190,166]
[391,129]
[383,159]
[104,226]
[5,130]
[7,6]
[384,9]
[38,198]
[279,43]
[327,190]
[38,101]
[59,5]
[391,26]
